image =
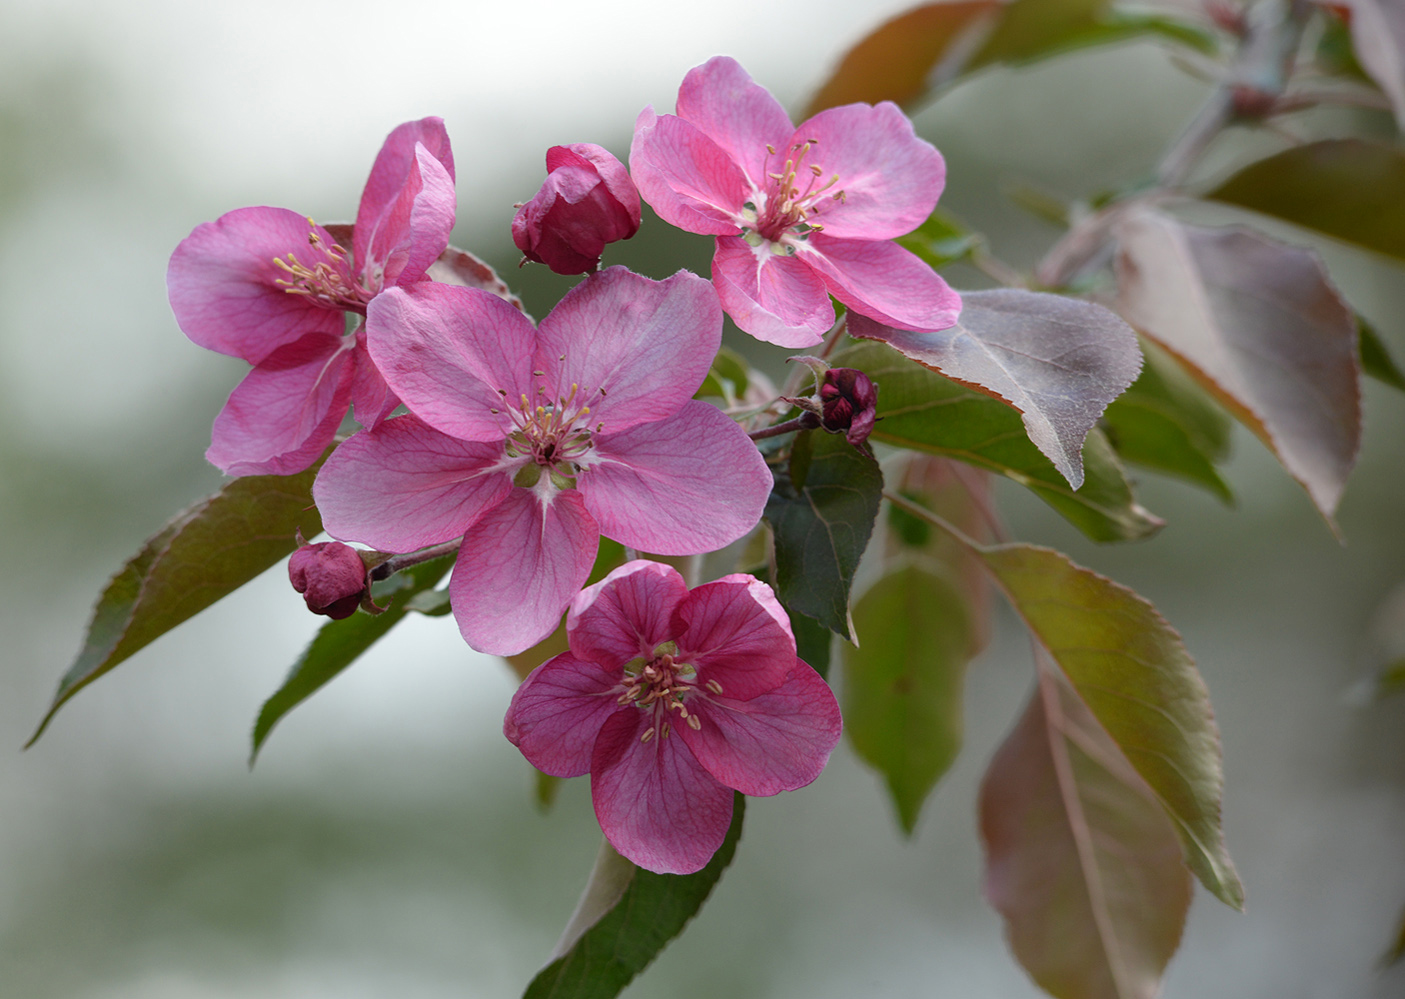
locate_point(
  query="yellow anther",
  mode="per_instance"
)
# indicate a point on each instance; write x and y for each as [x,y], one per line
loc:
[648,734]
[694,722]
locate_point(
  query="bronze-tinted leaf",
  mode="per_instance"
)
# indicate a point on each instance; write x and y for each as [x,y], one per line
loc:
[1260,325]
[1081,862]
[1057,360]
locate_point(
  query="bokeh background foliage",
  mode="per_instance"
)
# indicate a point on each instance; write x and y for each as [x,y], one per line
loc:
[388,841]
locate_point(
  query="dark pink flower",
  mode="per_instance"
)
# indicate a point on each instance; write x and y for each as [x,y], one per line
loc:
[799,213]
[671,700]
[331,577]
[848,403]
[532,442]
[272,287]
[587,202]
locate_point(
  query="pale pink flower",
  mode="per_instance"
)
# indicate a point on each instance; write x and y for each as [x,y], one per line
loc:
[532,442]
[799,213]
[671,700]
[587,202]
[272,287]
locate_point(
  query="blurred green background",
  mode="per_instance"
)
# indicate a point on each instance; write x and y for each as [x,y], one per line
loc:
[387,844]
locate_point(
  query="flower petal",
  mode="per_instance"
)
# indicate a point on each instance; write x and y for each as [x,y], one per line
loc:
[891,179]
[775,298]
[688,484]
[656,805]
[286,411]
[735,632]
[519,566]
[405,485]
[452,354]
[629,613]
[738,114]
[883,281]
[221,282]
[556,714]
[686,177]
[637,348]
[389,173]
[612,172]
[414,228]
[776,741]
[371,399]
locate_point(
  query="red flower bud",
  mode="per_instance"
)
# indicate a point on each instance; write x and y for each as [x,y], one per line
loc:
[331,577]
[848,403]
[587,201]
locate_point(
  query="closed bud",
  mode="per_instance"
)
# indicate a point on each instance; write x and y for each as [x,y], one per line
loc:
[587,202]
[331,577]
[848,404]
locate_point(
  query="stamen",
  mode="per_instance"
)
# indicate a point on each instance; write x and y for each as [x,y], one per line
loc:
[714,686]
[648,734]
[694,723]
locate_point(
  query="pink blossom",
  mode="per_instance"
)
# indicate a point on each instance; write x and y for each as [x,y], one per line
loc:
[799,213]
[532,442]
[848,404]
[587,202]
[671,700]
[272,287]
[331,577]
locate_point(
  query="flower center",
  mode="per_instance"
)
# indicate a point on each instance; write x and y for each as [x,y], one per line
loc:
[661,684]
[552,434]
[325,279]
[784,212]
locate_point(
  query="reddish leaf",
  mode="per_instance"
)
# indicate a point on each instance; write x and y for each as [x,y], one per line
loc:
[1057,360]
[1260,325]
[1081,861]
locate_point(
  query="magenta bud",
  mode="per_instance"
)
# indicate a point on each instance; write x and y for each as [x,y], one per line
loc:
[587,202]
[331,577]
[848,403]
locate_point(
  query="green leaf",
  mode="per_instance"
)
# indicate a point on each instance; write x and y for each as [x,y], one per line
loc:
[200,556]
[727,379]
[921,410]
[1375,357]
[1397,949]
[1131,669]
[822,527]
[1081,862]
[1349,189]
[629,916]
[903,684]
[812,641]
[546,790]
[941,240]
[1166,422]
[339,643]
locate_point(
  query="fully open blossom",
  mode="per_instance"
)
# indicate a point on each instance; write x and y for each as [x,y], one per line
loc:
[532,442]
[272,287]
[587,202]
[671,699]
[799,213]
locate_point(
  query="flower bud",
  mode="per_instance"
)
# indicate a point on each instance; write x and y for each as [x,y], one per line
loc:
[848,403]
[587,201]
[331,577]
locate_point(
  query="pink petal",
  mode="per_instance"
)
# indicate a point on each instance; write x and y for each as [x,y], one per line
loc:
[738,114]
[891,179]
[735,632]
[371,399]
[405,485]
[686,177]
[556,714]
[221,283]
[519,566]
[446,351]
[777,741]
[627,614]
[883,281]
[647,344]
[390,170]
[286,411]
[656,805]
[691,483]
[414,229]
[610,169]
[775,298]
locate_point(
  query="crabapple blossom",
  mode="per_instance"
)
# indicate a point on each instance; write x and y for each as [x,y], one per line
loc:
[272,287]
[532,442]
[587,202]
[848,403]
[671,699]
[331,577]
[799,213]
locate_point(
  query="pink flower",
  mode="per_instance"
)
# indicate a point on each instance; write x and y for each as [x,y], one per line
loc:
[272,287]
[531,443]
[331,577]
[587,202]
[848,404]
[799,213]
[671,700]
